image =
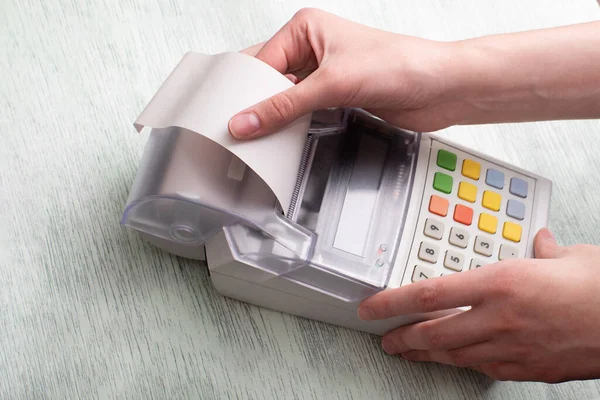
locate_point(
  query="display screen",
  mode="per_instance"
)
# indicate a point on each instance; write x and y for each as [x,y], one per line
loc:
[361,195]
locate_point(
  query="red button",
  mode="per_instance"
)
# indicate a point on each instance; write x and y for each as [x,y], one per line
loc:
[438,205]
[463,214]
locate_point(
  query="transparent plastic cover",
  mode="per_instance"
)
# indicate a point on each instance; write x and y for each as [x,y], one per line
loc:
[188,188]
[341,233]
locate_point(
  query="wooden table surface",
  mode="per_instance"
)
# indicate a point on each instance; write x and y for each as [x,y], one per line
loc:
[88,310]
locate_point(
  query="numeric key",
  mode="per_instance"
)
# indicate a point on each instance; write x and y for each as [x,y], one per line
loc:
[421,273]
[429,252]
[434,229]
[476,263]
[459,237]
[483,246]
[507,252]
[454,260]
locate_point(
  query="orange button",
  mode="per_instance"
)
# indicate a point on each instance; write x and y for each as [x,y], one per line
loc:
[463,214]
[438,205]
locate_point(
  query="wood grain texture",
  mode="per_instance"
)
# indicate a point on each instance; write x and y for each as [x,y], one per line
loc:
[87,310]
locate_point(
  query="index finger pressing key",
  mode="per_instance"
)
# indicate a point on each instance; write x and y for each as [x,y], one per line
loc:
[443,293]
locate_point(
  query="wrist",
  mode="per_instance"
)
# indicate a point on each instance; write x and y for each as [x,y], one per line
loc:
[526,76]
[483,84]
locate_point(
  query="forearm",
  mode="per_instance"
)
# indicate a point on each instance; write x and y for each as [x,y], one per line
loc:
[539,75]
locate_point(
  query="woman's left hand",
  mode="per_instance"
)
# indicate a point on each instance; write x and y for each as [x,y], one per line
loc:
[530,319]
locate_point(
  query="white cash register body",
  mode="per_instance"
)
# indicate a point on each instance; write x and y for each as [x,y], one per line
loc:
[353,227]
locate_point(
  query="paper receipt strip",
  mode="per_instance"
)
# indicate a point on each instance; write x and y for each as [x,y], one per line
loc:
[204,91]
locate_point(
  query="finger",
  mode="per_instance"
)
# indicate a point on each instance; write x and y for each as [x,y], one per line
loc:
[504,371]
[253,50]
[449,332]
[444,293]
[293,78]
[477,368]
[282,109]
[468,356]
[545,245]
[290,49]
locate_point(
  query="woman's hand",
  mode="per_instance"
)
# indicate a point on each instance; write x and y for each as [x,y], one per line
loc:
[402,79]
[425,85]
[530,319]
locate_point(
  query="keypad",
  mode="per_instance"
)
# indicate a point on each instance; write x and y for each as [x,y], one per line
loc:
[442,182]
[512,231]
[491,200]
[507,252]
[515,209]
[434,229]
[474,214]
[467,191]
[438,205]
[429,252]
[488,223]
[471,169]
[421,273]
[459,237]
[463,214]
[446,160]
[454,260]
[518,187]
[476,263]
[495,178]
[483,246]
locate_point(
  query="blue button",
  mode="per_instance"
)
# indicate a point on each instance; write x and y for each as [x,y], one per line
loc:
[515,209]
[494,178]
[518,187]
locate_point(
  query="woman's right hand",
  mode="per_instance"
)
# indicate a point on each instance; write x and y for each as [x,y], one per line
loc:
[337,63]
[423,85]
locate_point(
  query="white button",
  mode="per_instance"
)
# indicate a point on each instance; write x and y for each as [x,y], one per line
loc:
[483,245]
[459,237]
[434,229]
[507,252]
[476,263]
[429,252]
[454,260]
[421,273]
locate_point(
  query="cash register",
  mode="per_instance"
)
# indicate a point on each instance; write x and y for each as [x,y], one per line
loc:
[371,207]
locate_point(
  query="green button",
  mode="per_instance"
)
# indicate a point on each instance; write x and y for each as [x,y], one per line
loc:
[442,182]
[446,160]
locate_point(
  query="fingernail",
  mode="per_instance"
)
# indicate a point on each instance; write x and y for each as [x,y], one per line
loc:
[365,313]
[244,125]
[548,235]
[388,346]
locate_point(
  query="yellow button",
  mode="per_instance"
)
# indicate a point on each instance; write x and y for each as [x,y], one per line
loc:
[491,200]
[512,231]
[471,169]
[488,223]
[467,191]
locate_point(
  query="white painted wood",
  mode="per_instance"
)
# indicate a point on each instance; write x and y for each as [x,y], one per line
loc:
[88,310]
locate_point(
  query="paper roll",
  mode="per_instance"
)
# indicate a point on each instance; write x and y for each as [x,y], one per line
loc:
[204,91]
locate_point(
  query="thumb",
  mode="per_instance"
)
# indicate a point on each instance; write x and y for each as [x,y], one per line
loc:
[276,112]
[545,246]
